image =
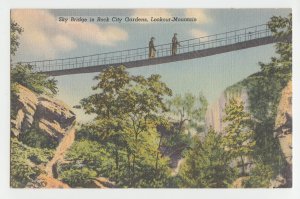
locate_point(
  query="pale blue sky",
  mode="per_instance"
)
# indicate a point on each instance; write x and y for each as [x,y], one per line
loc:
[210,75]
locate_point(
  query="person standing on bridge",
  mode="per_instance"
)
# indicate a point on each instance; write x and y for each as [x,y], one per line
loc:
[175,43]
[152,49]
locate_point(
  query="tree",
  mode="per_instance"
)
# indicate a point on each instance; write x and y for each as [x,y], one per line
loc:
[15,32]
[86,160]
[274,75]
[186,113]
[264,91]
[260,176]
[127,112]
[282,65]
[207,164]
[37,82]
[189,108]
[26,163]
[79,177]
[238,139]
[25,74]
[26,160]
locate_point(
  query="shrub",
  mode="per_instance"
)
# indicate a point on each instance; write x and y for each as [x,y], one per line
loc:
[34,138]
[24,163]
[78,177]
[260,176]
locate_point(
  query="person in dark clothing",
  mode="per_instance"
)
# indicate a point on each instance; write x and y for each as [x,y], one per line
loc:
[175,43]
[152,49]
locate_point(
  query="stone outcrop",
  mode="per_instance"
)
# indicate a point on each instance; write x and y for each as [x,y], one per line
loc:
[101,183]
[240,182]
[64,145]
[26,108]
[215,112]
[283,130]
[278,182]
[49,117]
[53,117]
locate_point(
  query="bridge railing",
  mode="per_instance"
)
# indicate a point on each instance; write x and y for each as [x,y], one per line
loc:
[119,57]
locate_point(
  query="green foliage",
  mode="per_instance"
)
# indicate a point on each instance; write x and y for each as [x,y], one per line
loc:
[176,140]
[100,156]
[26,160]
[238,139]
[189,108]
[80,177]
[281,66]
[36,139]
[188,114]
[90,154]
[264,91]
[88,157]
[128,110]
[150,167]
[25,163]
[124,145]
[121,93]
[37,82]
[13,101]
[234,91]
[260,176]
[207,164]
[15,32]
[25,74]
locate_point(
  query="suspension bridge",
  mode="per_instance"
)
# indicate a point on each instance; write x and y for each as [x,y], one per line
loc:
[188,49]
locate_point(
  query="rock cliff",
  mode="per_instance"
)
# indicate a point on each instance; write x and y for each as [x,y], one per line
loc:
[50,117]
[215,112]
[53,117]
[283,130]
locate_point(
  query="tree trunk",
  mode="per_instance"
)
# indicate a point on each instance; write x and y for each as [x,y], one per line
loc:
[133,171]
[157,153]
[117,164]
[133,160]
[129,167]
[243,166]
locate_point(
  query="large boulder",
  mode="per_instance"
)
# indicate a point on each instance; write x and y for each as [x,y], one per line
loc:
[53,117]
[26,107]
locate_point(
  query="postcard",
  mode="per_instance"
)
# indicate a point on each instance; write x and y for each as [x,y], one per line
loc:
[151,98]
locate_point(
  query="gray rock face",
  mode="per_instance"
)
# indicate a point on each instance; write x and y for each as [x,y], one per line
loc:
[215,115]
[283,123]
[53,117]
[283,130]
[215,112]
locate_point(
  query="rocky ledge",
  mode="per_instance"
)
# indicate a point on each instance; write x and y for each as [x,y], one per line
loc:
[283,132]
[53,117]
